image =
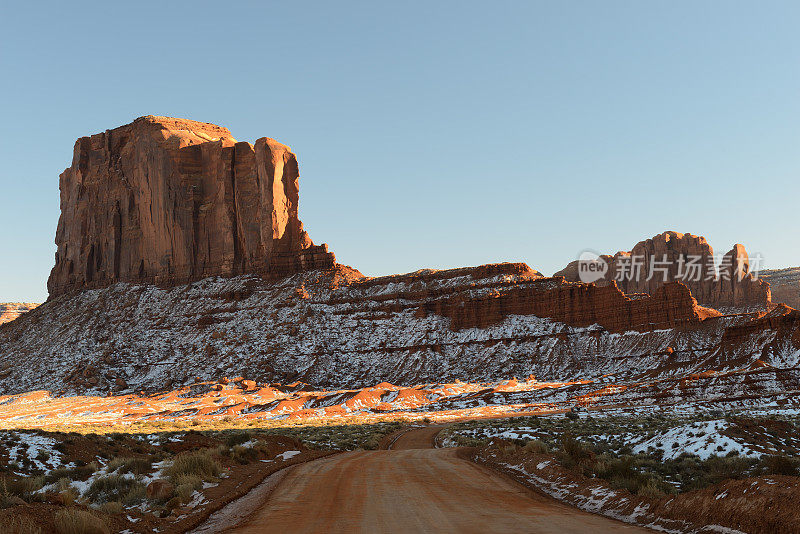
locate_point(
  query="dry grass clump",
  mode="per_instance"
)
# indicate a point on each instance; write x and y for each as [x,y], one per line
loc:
[195,482]
[237,438]
[536,446]
[184,492]
[112,508]
[21,525]
[199,463]
[72,473]
[780,465]
[135,465]
[74,521]
[243,455]
[68,496]
[117,488]
[19,488]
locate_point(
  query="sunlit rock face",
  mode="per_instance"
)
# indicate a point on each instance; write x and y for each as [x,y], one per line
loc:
[11,310]
[167,201]
[785,285]
[732,284]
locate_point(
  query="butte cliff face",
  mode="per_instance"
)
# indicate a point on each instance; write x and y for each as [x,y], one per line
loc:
[785,285]
[168,201]
[689,259]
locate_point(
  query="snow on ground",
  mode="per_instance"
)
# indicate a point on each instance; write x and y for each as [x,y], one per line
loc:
[702,438]
[37,449]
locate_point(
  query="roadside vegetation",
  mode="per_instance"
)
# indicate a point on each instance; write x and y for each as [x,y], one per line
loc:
[95,480]
[649,456]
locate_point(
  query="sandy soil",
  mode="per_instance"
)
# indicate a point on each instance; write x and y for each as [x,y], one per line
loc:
[412,488]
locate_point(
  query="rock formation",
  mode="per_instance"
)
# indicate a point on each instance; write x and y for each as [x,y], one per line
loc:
[785,285]
[576,304]
[672,256]
[338,329]
[168,201]
[11,310]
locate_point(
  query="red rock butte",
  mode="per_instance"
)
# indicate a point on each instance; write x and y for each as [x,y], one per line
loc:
[168,201]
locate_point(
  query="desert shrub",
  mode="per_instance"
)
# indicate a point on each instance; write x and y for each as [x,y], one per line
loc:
[372,442]
[651,487]
[136,494]
[68,496]
[74,521]
[237,438]
[726,468]
[243,455]
[508,450]
[20,525]
[72,473]
[116,488]
[136,465]
[198,463]
[173,503]
[575,453]
[195,482]
[624,473]
[112,508]
[536,446]
[63,483]
[19,487]
[778,465]
[184,492]
[115,464]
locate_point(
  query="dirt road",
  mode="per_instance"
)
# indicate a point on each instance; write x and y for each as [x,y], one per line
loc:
[412,488]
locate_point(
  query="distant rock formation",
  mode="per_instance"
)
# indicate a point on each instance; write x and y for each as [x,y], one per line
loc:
[689,259]
[785,285]
[11,310]
[168,201]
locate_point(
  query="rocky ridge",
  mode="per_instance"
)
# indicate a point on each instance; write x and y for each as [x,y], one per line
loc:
[336,328]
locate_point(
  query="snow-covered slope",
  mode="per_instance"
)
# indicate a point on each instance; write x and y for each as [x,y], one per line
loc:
[335,331]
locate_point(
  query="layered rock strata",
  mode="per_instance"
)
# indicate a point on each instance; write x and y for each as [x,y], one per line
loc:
[335,328]
[168,201]
[726,281]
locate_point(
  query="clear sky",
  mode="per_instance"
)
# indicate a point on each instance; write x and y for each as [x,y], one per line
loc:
[432,134]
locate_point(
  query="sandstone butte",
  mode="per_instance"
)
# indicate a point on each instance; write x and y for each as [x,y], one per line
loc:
[734,286]
[168,201]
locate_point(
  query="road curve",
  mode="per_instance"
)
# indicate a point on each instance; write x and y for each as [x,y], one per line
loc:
[412,489]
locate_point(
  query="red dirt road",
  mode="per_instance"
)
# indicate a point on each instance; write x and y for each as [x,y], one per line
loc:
[412,488]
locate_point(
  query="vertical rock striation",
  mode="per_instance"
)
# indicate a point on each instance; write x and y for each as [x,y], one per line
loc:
[168,201]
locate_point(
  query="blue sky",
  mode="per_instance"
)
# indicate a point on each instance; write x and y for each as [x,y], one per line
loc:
[432,134]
